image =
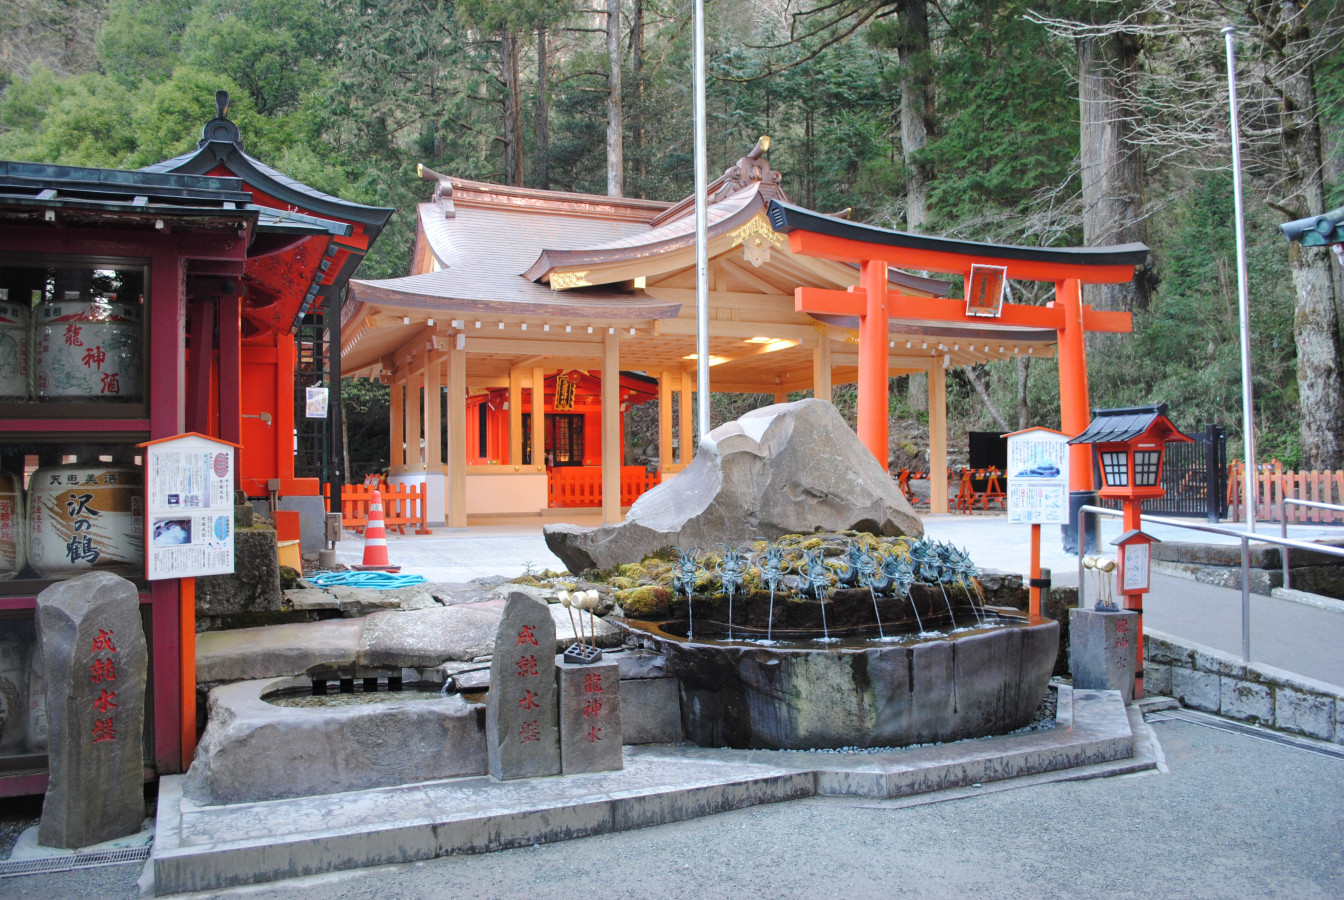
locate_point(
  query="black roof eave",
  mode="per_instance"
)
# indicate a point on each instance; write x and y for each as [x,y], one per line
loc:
[786,217]
[251,171]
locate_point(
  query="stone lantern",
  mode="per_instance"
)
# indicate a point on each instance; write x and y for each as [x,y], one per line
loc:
[1129,445]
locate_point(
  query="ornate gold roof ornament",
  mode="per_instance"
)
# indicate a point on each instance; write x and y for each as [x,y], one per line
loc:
[563,281]
[756,238]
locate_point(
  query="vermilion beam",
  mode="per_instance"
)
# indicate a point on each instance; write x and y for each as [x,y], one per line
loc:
[837,303]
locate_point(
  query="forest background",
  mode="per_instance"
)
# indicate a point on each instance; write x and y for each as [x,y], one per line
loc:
[1050,122]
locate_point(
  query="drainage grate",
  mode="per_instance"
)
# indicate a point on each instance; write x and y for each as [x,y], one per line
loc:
[71,861]
[1194,717]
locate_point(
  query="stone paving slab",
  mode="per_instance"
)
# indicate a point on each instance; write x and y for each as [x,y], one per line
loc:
[212,847]
[274,650]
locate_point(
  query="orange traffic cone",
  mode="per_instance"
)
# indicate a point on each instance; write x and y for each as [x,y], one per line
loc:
[375,540]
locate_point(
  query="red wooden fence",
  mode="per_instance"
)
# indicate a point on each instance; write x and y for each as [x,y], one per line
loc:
[581,486]
[403,504]
[1272,484]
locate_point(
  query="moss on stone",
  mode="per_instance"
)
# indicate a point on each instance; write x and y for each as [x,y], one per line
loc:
[648,601]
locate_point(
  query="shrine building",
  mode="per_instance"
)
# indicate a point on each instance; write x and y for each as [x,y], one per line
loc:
[533,320]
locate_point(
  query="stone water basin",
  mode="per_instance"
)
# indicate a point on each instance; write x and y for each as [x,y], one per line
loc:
[857,691]
[254,749]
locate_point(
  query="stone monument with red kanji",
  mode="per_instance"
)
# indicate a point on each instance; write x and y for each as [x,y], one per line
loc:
[95,666]
[521,722]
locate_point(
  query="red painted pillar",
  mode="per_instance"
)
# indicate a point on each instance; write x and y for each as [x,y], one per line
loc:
[1074,411]
[1133,521]
[873,366]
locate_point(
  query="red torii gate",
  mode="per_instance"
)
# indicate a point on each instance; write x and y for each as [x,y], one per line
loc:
[873,301]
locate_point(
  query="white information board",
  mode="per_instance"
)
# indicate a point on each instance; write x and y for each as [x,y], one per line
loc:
[1038,477]
[189,501]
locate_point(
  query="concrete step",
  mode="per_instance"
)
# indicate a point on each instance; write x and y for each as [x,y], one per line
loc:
[213,847]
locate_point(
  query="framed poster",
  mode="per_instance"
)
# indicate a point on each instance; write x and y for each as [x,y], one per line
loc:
[189,507]
[1038,477]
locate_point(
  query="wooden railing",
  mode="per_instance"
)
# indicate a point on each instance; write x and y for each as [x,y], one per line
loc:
[403,504]
[1273,483]
[581,486]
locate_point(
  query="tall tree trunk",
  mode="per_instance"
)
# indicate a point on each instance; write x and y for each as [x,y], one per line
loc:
[1316,321]
[543,114]
[917,118]
[637,72]
[1112,166]
[513,103]
[615,114]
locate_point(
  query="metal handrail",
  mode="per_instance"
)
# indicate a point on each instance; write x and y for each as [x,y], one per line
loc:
[1283,521]
[1244,537]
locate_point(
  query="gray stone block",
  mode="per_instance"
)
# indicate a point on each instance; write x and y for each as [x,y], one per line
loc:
[521,720]
[1102,650]
[1158,650]
[639,664]
[1339,720]
[651,711]
[1220,664]
[357,601]
[297,649]
[428,637]
[254,585]
[453,593]
[253,750]
[790,468]
[590,717]
[95,664]
[310,599]
[1246,701]
[1156,679]
[1195,689]
[1303,713]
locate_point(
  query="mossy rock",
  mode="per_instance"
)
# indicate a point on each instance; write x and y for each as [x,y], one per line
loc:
[622,583]
[289,578]
[646,602]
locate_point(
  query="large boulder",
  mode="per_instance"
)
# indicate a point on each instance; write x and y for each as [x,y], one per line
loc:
[791,468]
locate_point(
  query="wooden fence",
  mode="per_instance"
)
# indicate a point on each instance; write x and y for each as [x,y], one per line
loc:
[581,486]
[1272,484]
[403,504]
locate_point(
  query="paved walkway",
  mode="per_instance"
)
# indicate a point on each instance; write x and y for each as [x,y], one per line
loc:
[1147,835]
[1287,635]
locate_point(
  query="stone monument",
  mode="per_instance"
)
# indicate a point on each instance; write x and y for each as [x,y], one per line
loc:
[590,717]
[1101,649]
[95,661]
[522,735]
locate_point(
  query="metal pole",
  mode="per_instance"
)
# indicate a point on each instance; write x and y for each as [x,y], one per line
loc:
[1245,599]
[1243,302]
[1283,551]
[701,235]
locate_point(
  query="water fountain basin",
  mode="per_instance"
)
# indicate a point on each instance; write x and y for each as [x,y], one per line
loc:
[983,679]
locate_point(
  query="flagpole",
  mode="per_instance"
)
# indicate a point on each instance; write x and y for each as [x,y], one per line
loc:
[701,240]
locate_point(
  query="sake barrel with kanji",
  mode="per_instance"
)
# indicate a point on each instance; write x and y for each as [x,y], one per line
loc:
[88,350]
[14,357]
[86,517]
[12,537]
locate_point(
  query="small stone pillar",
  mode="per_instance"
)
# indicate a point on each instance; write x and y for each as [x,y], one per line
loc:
[1101,649]
[590,717]
[95,660]
[522,737]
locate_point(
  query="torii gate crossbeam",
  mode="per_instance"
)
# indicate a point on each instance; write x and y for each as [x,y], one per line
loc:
[874,249]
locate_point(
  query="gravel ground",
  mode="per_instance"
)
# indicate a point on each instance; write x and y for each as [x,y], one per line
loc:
[16,815]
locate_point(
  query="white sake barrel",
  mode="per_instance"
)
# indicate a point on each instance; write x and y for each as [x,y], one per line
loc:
[14,358]
[88,350]
[85,517]
[12,533]
[16,647]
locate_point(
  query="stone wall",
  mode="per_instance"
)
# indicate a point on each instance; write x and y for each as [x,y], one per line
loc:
[1215,682]
[1220,565]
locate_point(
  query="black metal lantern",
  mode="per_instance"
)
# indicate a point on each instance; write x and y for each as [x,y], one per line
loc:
[1130,444]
